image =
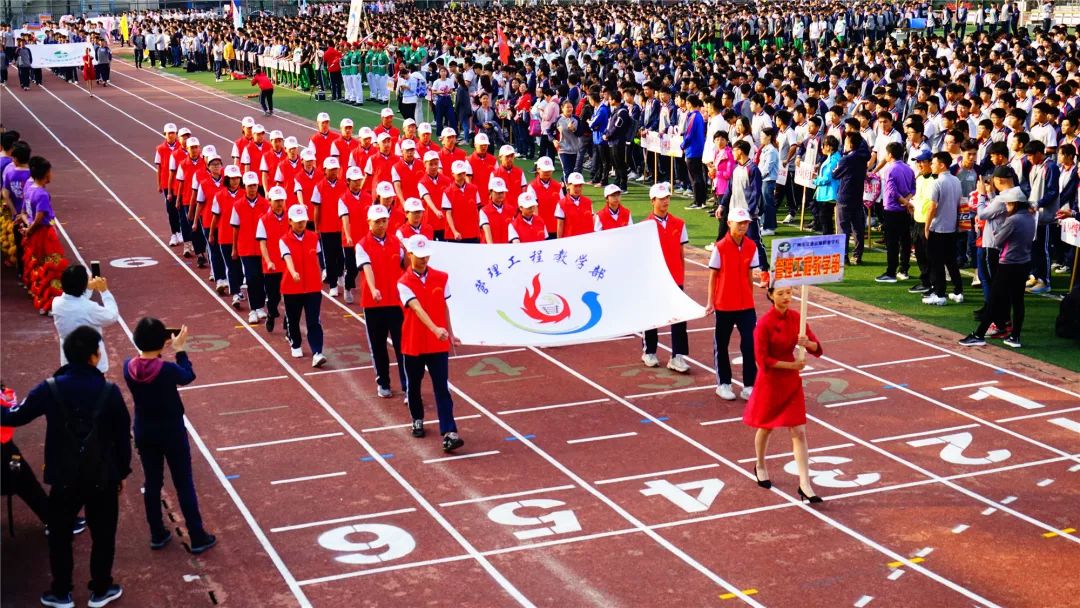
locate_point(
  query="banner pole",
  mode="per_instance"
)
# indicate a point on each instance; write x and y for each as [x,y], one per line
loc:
[800,352]
[1076,258]
[802,210]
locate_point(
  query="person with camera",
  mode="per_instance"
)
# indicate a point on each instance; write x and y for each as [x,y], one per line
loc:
[87,459]
[74,308]
[160,436]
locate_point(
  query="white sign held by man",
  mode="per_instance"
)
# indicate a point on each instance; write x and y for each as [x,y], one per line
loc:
[804,172]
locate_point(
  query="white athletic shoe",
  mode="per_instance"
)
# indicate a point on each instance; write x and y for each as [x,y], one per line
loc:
[767,232]
[173,241]
[236,299]
[956,297]
[253,317]
[189,250]
[349,296]
[385,393]
[318,360]
[333,292]
[724,392]
[788,219]
[296,353]
[678,364]
[744,394]
[222,287]
[650,360]
[934,300]
[262,314]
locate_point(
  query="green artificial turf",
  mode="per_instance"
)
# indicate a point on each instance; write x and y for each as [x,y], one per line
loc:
[1038,338]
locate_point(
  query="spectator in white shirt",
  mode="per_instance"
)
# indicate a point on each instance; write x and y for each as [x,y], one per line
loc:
[75,308]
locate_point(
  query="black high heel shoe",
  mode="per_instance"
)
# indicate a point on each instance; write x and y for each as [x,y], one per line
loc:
[813,499]
[763,483]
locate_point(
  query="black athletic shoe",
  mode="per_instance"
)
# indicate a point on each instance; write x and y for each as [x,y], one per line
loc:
[418,428]
[57,600]
[972,340]
[200,260]
[204,545]
[886,278]
[160,542]
[97,600]
[79,526]
[270,324]
[1012,342]
[451,442]
[918,288]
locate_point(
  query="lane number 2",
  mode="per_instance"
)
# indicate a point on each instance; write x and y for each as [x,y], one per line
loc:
[955,444]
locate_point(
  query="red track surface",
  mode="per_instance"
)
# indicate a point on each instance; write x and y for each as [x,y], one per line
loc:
[974,519]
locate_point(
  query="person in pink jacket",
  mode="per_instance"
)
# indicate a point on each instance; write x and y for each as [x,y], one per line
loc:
[723,165]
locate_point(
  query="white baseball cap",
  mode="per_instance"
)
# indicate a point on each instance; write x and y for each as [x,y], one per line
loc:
[258,129]
[354,173]
[377,212]
[408,144]
[208,151]
[459,166]
[169,128]
[211,157]
[544,163]
[322,117]
[298,213]
[193,142]
[408,121]
[431,155]
[365,133]
[481,140]
[183,131]
[739,214]
[417,245]
[507,150]
[611,189]
[277,193]
[346,122]
[386,112]
[382,136]
[497,185]
[413,204]
[247,121]
[232,171]
[575,178]
[385,189]
[290,143]
[660,190]
[423,127]
[251,178]
[275,134]
[307,154]
[527,199]
[331,162]
[447,132]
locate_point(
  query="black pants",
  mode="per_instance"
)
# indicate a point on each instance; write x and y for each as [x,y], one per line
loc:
[334,256]
[234,267]
[853,221]
[825,215]
[696,172]
[103,72]
[438,365]
[24,77]
[618,163]
[266,100]
[176,451]
[21,481]
[336,83]
[383,322]
[272,282]
[408,110]
[601,163]
[102,513]
[351,271]
[139,58]
[680,343]
[922,256]
[941,247]
[172,212]
[309,304]
[1006,292]
[744,320]
[188,231]
[255,284]
[897,228]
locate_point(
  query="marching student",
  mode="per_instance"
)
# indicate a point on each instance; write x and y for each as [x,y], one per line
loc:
[246,213]
[387,197]
[425,144]
[527,227]
[379,166]
[304,182]
[512,175]
[162,156]
[574,212]
[414,221]
[496,215]
[247,123]
[271,159]
[731,301]
[365,148]
[251,157]
[426,336]
[184,180]
[430,190]
[352,208]
[301,287]
[406,172]
[346,143]
[381,258]
[673,240]
[328,222]
[481,165]
[450,151]
[613,215]
[272,226]
[201,214]
[284,173]
[460,203]
[221,234]
[322,141]
[547,192]
[175,159]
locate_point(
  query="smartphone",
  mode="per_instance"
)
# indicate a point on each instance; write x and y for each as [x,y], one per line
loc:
[173,331]
[95,268]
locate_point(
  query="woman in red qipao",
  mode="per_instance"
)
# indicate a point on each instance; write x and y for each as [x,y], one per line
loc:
[778,399]
[89,74]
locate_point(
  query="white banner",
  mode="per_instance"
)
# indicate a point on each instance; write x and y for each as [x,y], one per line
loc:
[352,29]
[563,291]
[58,55]
[1070,231]
[805,171]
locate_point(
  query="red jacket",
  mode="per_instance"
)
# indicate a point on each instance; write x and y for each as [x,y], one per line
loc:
[416,338]
[463,206]
[248,213]
[305,254]
[385,259]
[547,196]
[271,228]
[578,218]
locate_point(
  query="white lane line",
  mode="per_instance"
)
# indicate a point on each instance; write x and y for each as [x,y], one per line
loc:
[601,438]
[232,383]
[396,567]
[825,448]
[1074,468]
[916,359]
[896,574]
[1045,482]
[1039,414]
[863,601]
[306,478]
[1014,399]
[972,385]
[921,433]
[460,457]
[924,552]
[1008,499]
[488,567]
[469,501]
[822,316]
[674,391]
[245,513]
[721,421]
[408,425]
[279,442]
[856,402]
[553,407]
[656,474]
[254,410]
[341,520]
[818,372]
[1067,424]
[394,363]
[989,511]
[960,528]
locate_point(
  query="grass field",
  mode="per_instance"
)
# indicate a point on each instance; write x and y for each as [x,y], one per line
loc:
[1038,336]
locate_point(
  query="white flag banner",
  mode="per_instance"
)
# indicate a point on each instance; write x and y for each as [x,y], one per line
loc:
[58,55]
[352,28]
[564,291]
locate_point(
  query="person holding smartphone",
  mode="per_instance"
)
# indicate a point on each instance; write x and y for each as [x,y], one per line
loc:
[74,308]
[160,435]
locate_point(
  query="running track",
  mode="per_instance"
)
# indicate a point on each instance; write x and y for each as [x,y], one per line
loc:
[586,478]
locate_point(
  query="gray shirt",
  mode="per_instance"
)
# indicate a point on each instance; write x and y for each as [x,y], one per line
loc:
[946,195]
[1015,238]
[569,141]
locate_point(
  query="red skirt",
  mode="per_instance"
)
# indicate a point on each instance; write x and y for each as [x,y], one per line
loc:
[777,401]
[88,73]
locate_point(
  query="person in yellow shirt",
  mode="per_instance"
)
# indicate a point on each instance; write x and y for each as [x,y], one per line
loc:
[229,55]
[920,208]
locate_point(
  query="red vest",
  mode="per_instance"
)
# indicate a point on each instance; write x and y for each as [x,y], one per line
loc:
[466,213]
[529,232]
[386,264]
[249,222]
[210,188]
[397,219]
[395,135]
[345,147]
[225,202]
[447,158]
[271,160]
[241,145]
[178,157]
[322,144]
[546,198]
[732,289]
[422,148]
[285,176]
[305,255]
[255,153]
[406,230]
[275,227]
[190,169]
[608,221]
[482,167]
[358,157]
[380,170]
[329,194]
[499,220]
[307,187]
[578,218]
[435,190]
[409,177]
[416,338]
[356,206]
[513,179]
[671,244]
[162,154]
